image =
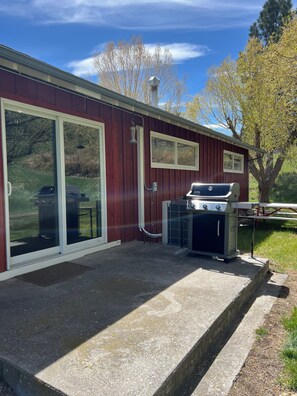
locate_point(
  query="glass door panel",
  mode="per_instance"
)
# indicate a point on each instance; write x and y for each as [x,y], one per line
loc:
[83,191]
[32,179]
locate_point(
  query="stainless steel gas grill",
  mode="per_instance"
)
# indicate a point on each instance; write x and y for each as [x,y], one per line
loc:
[212,227]
[46,201]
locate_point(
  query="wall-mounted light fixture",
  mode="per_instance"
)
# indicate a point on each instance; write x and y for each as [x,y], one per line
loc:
[133,133]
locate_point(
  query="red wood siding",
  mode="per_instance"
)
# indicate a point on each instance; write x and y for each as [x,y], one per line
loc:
[174,184]
[121,157]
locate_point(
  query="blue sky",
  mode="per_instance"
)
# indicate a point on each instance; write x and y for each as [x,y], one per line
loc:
[66,33]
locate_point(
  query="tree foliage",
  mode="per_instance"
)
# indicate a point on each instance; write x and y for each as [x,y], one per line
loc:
[268,26]
[255,98]
[126,67]
[25,134]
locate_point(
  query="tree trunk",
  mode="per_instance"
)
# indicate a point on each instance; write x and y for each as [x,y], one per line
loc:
[264,192]
[266,174]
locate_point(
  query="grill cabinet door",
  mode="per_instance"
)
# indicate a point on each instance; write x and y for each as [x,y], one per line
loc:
[208,232]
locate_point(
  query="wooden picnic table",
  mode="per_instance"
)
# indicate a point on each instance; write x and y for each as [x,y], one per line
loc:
[266,211]
[271,208]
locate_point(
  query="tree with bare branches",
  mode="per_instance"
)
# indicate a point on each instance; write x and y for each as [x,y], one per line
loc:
[126,67]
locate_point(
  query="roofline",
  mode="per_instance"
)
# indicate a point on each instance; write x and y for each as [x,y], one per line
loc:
[24,64]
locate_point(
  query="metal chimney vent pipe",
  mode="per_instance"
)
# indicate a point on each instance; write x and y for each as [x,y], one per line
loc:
[154,84]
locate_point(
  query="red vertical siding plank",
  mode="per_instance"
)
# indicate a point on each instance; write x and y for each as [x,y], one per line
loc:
[79,104]
[110,155]
[63,100]
[46,94]
[93,108]
[26,88]
[7,83]
[126,178]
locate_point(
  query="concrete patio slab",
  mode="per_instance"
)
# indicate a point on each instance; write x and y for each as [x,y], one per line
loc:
[139,323]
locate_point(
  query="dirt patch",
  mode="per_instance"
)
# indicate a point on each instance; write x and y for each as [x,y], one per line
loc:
[261,373]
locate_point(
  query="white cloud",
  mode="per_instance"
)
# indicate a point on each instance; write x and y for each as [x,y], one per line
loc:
[180,52]
[143,14]
[82,68]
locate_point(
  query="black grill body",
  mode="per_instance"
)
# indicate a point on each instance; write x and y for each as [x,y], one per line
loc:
[212,221]
[46,201]
[72,212]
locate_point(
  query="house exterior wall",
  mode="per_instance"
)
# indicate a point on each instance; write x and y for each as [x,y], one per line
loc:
[174,184]
[121,157]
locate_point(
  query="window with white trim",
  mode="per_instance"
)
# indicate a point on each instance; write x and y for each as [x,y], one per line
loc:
[173,153]
[233,162]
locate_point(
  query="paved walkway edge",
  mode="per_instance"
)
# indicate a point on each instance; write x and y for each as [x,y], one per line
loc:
[220,377]
[182,377]
[24,384]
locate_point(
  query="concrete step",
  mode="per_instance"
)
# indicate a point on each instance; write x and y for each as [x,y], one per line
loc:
[226,366]
[141,323]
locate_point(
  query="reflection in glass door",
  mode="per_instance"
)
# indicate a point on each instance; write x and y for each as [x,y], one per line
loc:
[32,182]
[83,187]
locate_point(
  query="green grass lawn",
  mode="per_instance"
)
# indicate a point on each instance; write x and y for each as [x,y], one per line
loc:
[24,214]
[289,352]
[276,242]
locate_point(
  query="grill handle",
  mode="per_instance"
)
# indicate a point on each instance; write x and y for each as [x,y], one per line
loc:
[218,228]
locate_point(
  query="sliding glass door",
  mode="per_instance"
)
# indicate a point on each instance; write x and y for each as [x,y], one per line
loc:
[82,182]
[55,186]
[32,182]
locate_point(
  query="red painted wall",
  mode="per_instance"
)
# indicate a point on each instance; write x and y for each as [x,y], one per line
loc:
[176,183]
[121,157]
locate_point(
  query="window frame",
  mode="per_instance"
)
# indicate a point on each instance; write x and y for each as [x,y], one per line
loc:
[233,154]
[175,140]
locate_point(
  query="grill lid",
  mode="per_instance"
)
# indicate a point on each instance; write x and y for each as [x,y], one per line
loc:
[214,192]
[46,190]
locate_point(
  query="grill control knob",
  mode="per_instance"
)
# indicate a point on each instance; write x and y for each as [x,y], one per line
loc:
[204,206]
[218,207]
[191,205]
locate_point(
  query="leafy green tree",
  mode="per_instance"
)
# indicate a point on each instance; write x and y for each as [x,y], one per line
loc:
[271,20]
[255,99]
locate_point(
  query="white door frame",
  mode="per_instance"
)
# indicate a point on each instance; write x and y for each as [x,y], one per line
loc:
[62,248]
